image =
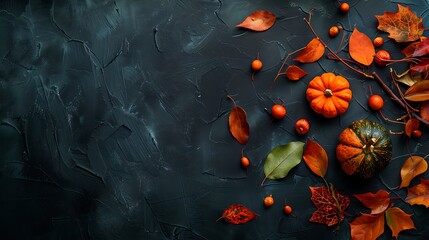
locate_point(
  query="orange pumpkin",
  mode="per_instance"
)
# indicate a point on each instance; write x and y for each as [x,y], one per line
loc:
[329,94]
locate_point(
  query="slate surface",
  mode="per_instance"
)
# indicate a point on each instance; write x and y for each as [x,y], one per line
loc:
[114,118]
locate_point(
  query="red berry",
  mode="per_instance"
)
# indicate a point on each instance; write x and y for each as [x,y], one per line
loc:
[278,111]
[256,65]
[302,126]
[269,201]
[375,102]
[245,162]
[416,133]
[333,31]
[344,7]
[287,209]
[380,56]
[378,41]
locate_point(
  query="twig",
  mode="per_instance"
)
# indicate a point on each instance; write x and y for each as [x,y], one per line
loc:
[284,62]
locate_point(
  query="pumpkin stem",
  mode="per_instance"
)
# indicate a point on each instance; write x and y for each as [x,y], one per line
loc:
[328,93]
[367,148]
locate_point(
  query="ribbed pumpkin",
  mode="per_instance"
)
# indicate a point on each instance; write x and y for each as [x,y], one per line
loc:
[364,149]
[329,94]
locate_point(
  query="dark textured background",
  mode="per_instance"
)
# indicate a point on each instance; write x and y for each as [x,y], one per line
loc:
[114,118]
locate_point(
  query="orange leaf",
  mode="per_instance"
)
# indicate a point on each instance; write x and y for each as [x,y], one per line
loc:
[260,20]
[419,194]
[367,227]
[424,110]
[418,92]
[412,167]
[398,221]
[238,125]
[312,52]
[411,125]
[361,48]
[295,73]
[377,202]
[403,26]
[316,158]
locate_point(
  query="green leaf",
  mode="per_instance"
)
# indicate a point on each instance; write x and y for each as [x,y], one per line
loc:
[282,159]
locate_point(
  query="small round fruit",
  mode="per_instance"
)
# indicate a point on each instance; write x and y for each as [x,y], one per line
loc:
[380,56]
[302,126]
[269,201]
[278,111]
[375,102]
[344,7]
[416,133]
[245,162]
[287,209]
[256,65]
[333,31]
[378,41]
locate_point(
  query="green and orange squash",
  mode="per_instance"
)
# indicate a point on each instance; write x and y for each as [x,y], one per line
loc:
[364,149]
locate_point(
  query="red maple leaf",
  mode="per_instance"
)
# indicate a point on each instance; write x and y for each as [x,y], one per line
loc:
[330,205]
[237,214]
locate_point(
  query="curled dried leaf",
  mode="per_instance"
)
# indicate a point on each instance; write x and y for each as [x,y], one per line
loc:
[260,20]
[361,48]
[312,52]
[295,73]
[419,194]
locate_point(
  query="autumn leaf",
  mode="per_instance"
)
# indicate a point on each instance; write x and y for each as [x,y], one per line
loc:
[419,194]
[260,20]
[361,48]
[282,159]
[328,212]
[237,214]
[411,125]
[421,49]
[410,49]
[238,125]
[424,110]
[316,158]
[367,227]
[419,92]
[408,79]
[398,221]
[377,202]
[413,166]
[421,68]
[312,52]
[403,26]
[295,73]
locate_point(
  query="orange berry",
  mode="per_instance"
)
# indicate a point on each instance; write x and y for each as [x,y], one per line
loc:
[302,126]
[375,102]
[245,162]
[256,65]
[333,31]
[287,209]
[278,111]
[344,7]
[380,56]
[378,41]
[269,201]
[416,133]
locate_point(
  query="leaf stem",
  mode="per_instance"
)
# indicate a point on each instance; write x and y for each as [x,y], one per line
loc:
[284,62]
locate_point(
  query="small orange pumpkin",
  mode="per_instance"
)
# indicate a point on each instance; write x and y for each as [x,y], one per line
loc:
[329,94]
